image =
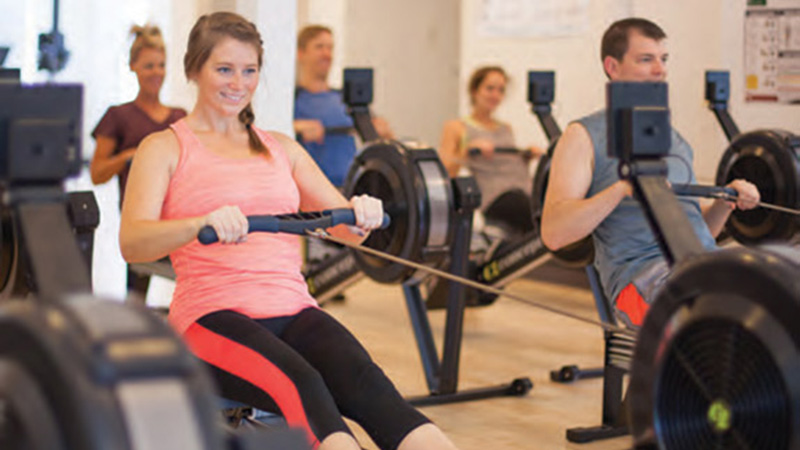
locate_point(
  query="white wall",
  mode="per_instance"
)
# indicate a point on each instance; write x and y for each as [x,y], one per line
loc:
[702,35]
[413,45]
[277,22]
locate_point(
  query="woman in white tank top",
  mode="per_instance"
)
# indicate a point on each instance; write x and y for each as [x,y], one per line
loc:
[495,172]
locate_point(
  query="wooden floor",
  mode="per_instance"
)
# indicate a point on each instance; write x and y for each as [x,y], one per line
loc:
[501,342]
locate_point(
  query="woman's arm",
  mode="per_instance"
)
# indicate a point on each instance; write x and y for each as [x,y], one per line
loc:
[450,150]
[317,193]
[143,235]
[104,163]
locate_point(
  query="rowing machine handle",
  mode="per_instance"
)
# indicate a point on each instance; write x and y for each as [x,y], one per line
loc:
[299,223]
[696,190]
[329,131]
[499,150]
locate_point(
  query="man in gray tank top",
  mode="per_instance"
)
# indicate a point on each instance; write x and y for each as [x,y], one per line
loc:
[585,194]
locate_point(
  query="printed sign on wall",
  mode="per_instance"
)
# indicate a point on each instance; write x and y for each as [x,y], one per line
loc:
[772,52]
[540,18]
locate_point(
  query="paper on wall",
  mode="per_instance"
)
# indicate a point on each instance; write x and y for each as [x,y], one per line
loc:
[539,18]
[772,54]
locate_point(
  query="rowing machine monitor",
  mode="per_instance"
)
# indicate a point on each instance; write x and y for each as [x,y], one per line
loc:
[638,121]
[40,133]
[718,86]
[358,87]
[541,92]
[718,91]
[358,96]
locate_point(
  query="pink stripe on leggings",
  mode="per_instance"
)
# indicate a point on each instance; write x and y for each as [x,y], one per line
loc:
[252,367]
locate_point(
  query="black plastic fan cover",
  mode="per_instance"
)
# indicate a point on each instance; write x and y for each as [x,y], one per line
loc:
[720,388]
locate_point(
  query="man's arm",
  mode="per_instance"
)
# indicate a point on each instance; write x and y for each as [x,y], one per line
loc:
[717,212]
[309,130]
[382,127]
[568,216]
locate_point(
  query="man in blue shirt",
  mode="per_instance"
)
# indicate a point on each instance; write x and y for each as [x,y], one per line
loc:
[318,107]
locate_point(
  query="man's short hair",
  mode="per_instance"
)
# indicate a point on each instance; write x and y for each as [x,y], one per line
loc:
[308,33]
[615,39]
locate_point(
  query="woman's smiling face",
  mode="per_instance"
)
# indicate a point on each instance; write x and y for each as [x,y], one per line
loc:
[228,79]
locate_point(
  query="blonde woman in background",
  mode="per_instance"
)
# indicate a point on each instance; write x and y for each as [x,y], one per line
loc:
[123,127]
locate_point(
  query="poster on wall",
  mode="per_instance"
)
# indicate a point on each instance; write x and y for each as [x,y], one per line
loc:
[772,51]
[540,18]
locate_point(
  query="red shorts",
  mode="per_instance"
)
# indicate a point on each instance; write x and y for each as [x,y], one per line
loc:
[630,302]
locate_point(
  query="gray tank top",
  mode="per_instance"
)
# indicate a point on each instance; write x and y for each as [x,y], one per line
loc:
[501,172]
[624,245]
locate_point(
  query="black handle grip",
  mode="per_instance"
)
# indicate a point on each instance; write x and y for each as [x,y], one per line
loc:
[499,150]
[299,223]
[339,130]
[329,131]
[696,190]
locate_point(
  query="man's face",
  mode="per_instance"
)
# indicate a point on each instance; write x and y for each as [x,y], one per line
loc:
[317,55]
[645,60]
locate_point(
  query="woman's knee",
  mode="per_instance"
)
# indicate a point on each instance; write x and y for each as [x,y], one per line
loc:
[361,393]
[308,382]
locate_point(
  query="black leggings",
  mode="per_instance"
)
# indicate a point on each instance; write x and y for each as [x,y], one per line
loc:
[309,368]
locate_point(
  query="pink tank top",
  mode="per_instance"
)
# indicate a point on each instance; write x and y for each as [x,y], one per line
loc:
[259,278]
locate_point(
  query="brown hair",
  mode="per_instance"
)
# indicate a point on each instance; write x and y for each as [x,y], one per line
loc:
[207,33]
[308,33]
[148,36]
[615,39]
[480,74]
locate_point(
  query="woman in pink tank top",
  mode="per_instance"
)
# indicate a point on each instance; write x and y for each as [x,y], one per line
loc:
[242,304]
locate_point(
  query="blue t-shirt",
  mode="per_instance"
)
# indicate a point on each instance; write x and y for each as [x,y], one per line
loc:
[624,244]
[336,153]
